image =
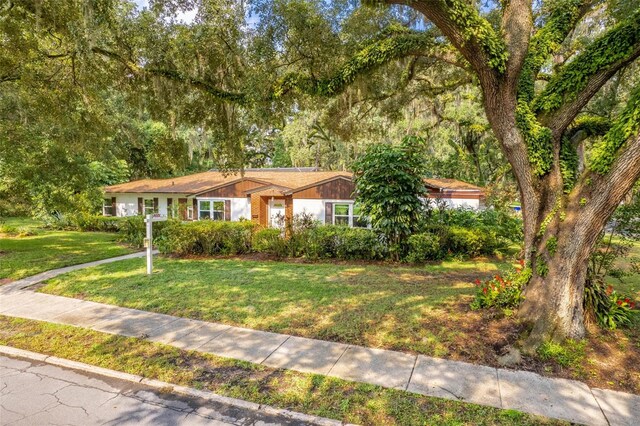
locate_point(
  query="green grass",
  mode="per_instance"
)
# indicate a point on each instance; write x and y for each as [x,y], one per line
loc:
[308,393]
[401,308]
[629,285]
[22,256]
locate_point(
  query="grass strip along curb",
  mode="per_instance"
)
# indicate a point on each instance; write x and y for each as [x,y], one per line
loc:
[166,387]
[312,394]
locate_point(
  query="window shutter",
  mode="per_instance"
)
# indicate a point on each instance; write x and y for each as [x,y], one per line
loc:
[182,208]
[140,205]
[328,213]
[114,212]
[196,213]
[227,210]
[155,205]
[169,207]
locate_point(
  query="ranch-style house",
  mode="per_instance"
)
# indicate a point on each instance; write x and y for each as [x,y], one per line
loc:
[263,196]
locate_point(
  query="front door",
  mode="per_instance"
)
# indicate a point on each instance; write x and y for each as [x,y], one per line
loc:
[276,213]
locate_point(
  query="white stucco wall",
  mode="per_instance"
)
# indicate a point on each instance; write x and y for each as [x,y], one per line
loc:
[127,204]
[468,203]
[314,207]
[240,208]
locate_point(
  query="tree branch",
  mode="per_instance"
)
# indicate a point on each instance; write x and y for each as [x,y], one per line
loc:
[5,78]
[400,45]
[578,81]
[561,20]
[471,34]
[205,86]
[517,22]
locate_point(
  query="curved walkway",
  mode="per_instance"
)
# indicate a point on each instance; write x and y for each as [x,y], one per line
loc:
[508,389]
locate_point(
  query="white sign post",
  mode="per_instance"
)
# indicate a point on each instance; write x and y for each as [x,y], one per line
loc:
[148,243]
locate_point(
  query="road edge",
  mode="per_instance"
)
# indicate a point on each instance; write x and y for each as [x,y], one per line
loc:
[165,386]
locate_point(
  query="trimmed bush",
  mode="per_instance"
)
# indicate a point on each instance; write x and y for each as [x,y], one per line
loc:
[206,237]
[423,247]
[340,242]
[462,241]
[94,223]
[270,240]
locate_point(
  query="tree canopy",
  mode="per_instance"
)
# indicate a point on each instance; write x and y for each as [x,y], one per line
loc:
[545,93]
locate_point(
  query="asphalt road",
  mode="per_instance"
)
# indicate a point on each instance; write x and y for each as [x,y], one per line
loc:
[34,393]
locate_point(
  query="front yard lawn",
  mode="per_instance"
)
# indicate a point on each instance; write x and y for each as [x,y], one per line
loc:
[400,308]
[22,256]
[313,394]
[413,309]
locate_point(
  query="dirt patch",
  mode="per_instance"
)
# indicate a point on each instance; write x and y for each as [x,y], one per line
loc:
[611,359]
[4,281]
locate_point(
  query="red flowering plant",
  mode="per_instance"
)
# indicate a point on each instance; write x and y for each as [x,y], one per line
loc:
[602,304]
[502,291]
[620,312]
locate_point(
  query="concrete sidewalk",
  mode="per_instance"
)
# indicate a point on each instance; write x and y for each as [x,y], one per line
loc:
[519,390]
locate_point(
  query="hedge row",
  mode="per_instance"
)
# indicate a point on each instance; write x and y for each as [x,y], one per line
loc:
[309,241]
[319,242]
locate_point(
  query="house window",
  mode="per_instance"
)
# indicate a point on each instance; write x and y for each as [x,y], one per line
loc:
[149,206]
[341,214]
[107,207]
[218,210]
[210,209]
[204,209]
[348,214]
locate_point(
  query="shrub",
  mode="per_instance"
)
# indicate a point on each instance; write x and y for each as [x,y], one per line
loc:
[91,222]
[344,243]
[423,247]
[502,292]
[497,229]
[609,308]
[270,240]
[8,229]
[462,241]
[206,238]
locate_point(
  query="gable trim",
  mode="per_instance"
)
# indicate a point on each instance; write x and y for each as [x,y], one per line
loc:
[321,182]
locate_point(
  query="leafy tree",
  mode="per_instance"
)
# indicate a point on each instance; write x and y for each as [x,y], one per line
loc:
[531,107]
[542,68]
[390,188]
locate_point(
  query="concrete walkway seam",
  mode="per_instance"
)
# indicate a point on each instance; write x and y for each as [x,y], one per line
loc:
[164,386]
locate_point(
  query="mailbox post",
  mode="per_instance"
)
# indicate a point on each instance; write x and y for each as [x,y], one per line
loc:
[148,243]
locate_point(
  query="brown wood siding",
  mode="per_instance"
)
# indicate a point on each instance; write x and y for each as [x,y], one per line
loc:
[236,190]
[339,189]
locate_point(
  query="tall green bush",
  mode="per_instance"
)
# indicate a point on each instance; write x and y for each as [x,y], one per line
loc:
[390,188]
[206,238]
